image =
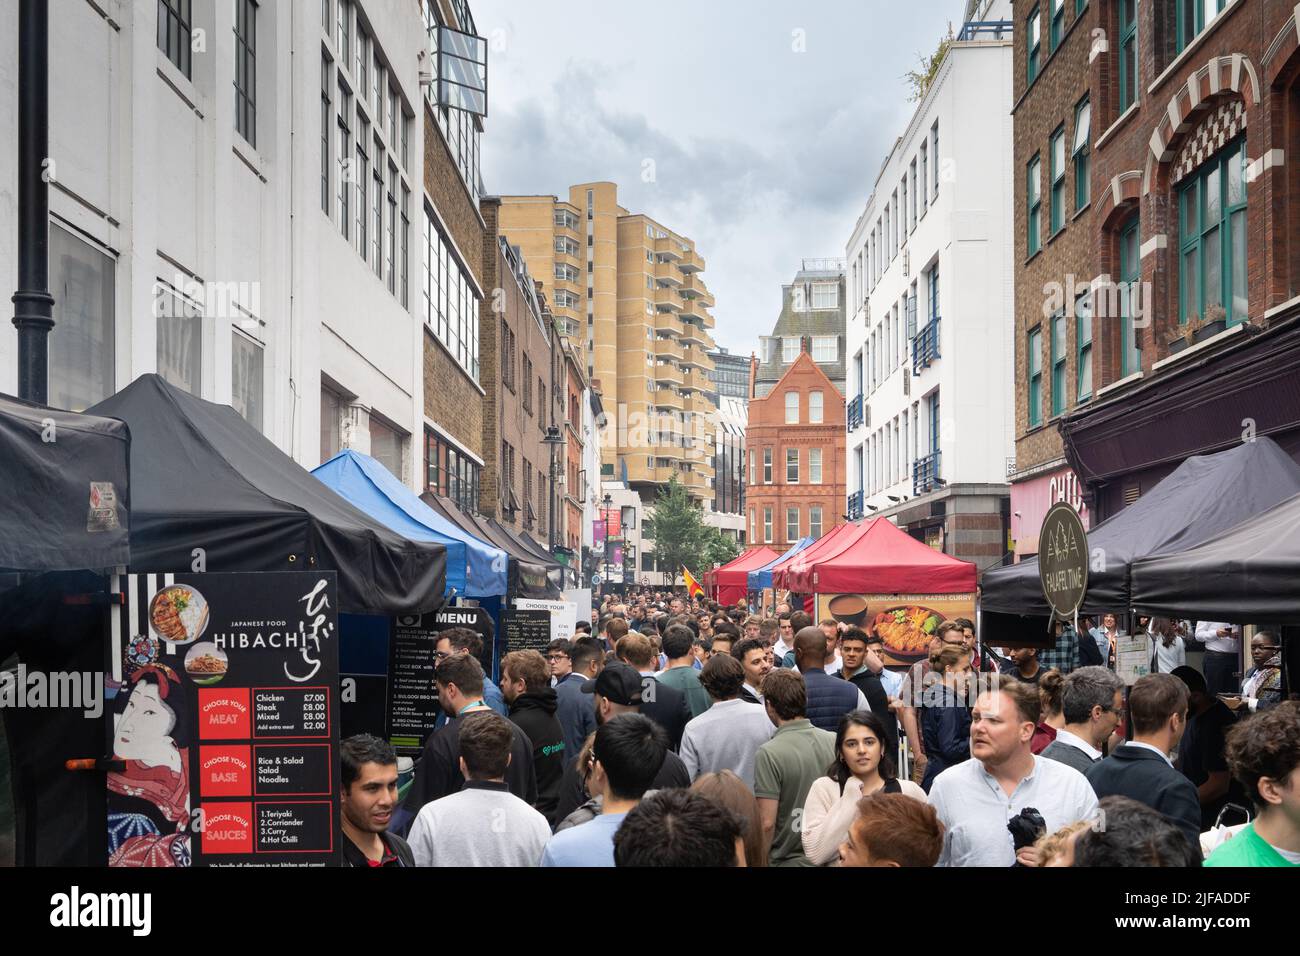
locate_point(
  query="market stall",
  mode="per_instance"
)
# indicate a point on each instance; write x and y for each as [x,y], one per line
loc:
[732,579]
[528,575]
[761,578]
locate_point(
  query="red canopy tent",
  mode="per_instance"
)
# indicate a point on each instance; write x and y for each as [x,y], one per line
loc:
[785,572]
[882,559]
[730,583]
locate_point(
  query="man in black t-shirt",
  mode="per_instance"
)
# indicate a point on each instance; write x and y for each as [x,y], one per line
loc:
[369,798]
[1201,751]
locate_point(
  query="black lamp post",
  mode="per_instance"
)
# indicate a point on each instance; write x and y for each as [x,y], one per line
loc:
[608,501]
[33,304]
[555,441]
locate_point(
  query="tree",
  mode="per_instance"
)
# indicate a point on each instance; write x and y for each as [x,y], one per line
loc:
[920,80]
[718,547]
[679,531]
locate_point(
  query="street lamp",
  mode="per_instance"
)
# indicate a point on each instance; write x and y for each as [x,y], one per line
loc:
[608,502]
[555,440]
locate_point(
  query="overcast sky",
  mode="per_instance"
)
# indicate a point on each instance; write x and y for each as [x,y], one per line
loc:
[765,123]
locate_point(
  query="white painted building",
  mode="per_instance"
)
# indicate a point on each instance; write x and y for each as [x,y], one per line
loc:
[230,206]
[931,407]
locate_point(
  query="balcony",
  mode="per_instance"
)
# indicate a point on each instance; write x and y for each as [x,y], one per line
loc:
[665,300]
[693,287]
[854,509]
[665,322]
[925,346]
[985,30]
[667,272]
[667,398]
[853,413]
[691,261]
[925,473]
[693,309]
[697,404]
[693,334]
[666,348]
[668,374]
[696,380]
[695,482]
[697,357]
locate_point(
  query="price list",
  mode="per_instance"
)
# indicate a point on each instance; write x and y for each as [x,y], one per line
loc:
[291,712]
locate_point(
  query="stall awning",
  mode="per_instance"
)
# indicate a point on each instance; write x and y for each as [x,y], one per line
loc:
[474,568]
[527,575]
[785,572]
[732,579]
[884,559]
[1204,497]
[762,577]
[206,483]
[66,499]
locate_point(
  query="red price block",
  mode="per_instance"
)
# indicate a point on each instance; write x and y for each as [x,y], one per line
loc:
[227,828]
[224,714]
[225,771]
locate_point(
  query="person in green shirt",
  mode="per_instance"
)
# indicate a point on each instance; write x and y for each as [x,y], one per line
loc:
[1263,753]
[787,765]
[680,674]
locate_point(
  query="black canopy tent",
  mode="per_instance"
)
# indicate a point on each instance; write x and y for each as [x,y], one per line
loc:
[1249,574]
[1204,497]
[527,576]
[554,570]
[66,499]
[203,478]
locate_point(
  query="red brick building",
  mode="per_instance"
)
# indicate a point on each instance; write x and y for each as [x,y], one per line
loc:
[795,476]
[1191,237]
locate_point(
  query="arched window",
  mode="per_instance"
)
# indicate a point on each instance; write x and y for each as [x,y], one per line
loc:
[1212,239]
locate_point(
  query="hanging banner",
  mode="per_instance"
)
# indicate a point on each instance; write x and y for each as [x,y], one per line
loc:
[224,696]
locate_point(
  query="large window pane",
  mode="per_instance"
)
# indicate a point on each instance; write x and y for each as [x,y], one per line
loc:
[81,343]
[1213,269]
[386,446]
[1237,229]
[246,379]
[330,410]
[180,334]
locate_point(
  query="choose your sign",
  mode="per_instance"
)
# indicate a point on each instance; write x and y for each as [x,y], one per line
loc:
[1063,559]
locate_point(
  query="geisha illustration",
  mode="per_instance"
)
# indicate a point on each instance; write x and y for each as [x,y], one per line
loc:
[149,802]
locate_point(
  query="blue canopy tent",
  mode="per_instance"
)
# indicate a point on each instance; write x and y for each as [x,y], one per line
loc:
[474,568]
[761,578]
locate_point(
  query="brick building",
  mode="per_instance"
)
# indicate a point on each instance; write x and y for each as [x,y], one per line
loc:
[453,253]
[795,446]
[1192,228]
[525,392]
[574,489]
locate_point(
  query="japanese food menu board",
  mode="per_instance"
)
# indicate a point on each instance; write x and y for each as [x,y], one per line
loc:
[224,698]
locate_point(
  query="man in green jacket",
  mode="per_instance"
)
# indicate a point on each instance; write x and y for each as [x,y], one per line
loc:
[1263,753]
[680,673]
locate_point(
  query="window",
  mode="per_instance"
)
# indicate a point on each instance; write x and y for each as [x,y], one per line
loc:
[180,339]
[1128,54]
[815,521]
[1058,363]
[1035,378]
[246,378]
[376,250]
[1082,135]
[753,525]
[451,305]
[825,348]
[1057,172]
[1033,42]
[362,175]
[814,466]
[246,70]
[1034,193]
[1129,276]
[792,408]
[923,182]
[791,525]
[344,30]
[1083,345]
[792,466]
[406,242]
[386,446]
[814,408]
[825,295]
[790,348]
[390,244]
[174,32]
[934,153]
[751,471]
[331,408]
[344,155]
[1057,27]
[767,525]
[902,209]
[767,466]
[81,342]
[361,71]
[450,472]
[1193,15]
[1212,217]
[326,111]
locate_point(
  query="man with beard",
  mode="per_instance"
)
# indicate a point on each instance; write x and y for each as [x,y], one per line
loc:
[532,702]
[369,797]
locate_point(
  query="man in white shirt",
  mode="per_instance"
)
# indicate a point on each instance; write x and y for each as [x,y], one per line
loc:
[1222,655]
[1092,703]
[976,799]
[727,735]
[785,639]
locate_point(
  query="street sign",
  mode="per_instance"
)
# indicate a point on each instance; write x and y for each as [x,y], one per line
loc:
[595,580]
[1063,559]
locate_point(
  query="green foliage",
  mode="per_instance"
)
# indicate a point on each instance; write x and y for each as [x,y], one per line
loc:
[919,80]
[681,537]
[718,548]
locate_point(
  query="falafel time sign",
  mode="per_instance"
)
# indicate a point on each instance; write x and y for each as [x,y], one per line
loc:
[1063,559]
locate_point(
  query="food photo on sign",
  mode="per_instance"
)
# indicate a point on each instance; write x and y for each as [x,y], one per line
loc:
[905,622]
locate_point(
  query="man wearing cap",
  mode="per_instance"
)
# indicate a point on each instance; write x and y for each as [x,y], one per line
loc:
[616,690]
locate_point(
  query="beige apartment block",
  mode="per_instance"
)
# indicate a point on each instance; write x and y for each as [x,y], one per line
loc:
[628,292]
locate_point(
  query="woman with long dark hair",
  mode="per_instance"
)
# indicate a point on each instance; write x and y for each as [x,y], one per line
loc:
[863,766]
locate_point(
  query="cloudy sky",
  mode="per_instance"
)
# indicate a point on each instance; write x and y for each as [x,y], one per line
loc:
[756,128]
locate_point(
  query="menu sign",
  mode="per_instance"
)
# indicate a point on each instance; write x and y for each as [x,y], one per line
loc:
[225,698]
[412,695]
[527,630]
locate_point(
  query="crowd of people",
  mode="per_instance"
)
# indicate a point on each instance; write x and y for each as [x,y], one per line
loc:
[674,732]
